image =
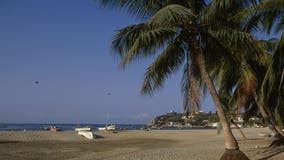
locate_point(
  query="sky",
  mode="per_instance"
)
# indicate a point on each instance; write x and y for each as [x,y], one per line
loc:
[65,46]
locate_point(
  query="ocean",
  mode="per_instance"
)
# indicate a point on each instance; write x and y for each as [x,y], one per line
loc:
[69,127]
[63,127]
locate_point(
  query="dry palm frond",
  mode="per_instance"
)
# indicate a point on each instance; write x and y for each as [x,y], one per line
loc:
[191,89]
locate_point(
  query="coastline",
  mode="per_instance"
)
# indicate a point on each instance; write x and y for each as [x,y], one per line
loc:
[130,144]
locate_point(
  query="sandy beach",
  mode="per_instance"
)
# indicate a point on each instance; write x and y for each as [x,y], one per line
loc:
[128,145]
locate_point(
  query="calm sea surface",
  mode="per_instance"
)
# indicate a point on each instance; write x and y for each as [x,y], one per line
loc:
[64,127]
[67,127]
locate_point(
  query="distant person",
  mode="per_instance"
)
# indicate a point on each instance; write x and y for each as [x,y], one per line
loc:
[219,127]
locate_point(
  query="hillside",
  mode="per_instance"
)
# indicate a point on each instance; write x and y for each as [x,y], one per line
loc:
[174,119]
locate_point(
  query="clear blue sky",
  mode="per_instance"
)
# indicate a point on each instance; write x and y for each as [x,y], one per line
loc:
[65,45]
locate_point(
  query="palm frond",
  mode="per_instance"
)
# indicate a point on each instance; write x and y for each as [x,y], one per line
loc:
[196,6]
[141,9]
[280,25]
[278,69]
[244,87]
[124,39]
[148,43]
[278,56]
[185,83]
[172,15]
[270,10]
[166,63]
[269,45]
[220,9]
[251,110]
[233,39]
[191,89]
[251,24]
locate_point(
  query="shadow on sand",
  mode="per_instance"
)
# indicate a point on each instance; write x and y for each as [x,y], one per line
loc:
[99,136]
[270,152]
[9,142]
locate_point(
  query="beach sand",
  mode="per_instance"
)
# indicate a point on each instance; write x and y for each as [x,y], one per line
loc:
[131,145]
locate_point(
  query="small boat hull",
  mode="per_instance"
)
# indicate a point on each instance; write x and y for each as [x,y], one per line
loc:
[83,129]
[87,134]
[110,128]
[264,134]
[55,129]
[101,128]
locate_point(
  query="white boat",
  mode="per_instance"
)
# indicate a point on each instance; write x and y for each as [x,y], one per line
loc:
[111,127]
[101,128]
[107,128]
[265,134]
[87,134]
[83,129]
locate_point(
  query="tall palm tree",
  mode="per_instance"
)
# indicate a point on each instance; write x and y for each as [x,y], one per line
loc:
[273,87]
[241,89]
[180,29]
[272,15]
[269,13]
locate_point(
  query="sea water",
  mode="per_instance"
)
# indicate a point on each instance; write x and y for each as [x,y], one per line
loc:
[64,127]
[69,127]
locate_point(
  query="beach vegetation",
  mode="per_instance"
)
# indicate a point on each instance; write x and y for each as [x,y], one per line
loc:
[214,42]
[268,17]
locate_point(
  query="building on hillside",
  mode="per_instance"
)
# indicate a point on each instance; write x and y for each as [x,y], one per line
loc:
[175,124]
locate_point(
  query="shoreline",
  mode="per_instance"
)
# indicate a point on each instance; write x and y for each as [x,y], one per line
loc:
[94,127]
[130,144]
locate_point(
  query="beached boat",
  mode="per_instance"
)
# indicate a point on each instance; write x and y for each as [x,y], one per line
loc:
[87,134]
[265,134]
[111,127]
[107,128]
[83,129]
[54,129]
[101,128]
[45,128]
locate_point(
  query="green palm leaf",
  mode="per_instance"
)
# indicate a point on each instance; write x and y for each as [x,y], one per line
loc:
[172,15]
[141,9]
[148,43]
[166,63]
[124,39]
[239,43]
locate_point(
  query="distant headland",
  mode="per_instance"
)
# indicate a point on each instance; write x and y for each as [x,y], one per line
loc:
[197,120]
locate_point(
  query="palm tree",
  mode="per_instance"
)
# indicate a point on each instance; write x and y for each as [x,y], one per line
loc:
[273,87]
[272,15]
[242,88]
[181,29]
[269,97]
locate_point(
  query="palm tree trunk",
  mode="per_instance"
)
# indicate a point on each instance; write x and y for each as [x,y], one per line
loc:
[273,121]
[232,151]
[230,141]
[239,129]
[267,118]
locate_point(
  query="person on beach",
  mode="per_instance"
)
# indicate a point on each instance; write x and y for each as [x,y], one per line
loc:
[219,127]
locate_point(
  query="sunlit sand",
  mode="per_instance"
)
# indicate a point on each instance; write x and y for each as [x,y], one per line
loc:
[127,145]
